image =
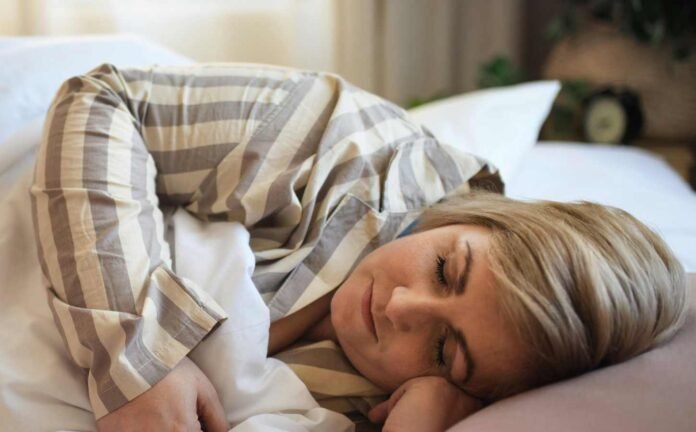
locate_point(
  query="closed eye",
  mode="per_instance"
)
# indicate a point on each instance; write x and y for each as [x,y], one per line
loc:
[440,270]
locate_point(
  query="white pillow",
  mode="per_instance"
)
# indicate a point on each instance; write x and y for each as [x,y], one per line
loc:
[34,67]
[499,125]
[625,177]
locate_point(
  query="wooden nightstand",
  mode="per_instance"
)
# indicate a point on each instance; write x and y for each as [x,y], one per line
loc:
[681,156]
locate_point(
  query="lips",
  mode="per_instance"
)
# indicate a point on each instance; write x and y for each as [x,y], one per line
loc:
[366,309]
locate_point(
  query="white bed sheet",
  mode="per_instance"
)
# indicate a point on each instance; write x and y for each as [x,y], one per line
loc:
[41,389]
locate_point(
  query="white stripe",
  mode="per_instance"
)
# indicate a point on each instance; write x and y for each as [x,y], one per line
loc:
[168,138]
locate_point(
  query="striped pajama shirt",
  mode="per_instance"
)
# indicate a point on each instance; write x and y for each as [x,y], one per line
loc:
[319,171]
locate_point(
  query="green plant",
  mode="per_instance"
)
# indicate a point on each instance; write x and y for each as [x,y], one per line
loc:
[669,23]
[499,71]
[417,101]
[565,116]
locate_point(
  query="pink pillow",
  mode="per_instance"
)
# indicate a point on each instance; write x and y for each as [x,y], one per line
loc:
[655,391]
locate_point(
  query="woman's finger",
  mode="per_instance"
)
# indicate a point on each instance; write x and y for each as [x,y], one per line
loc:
[210,411]
[379,413]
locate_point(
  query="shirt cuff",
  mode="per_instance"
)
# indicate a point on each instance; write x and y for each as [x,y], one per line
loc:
[126,354]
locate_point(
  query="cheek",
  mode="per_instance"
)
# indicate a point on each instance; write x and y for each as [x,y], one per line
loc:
[390,368]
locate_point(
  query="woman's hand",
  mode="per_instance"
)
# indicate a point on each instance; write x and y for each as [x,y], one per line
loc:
[184,400]
[424,404]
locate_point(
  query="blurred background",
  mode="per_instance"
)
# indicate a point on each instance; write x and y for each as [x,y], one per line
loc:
[628,67]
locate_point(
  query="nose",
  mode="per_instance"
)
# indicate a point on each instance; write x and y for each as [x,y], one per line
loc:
[409,309]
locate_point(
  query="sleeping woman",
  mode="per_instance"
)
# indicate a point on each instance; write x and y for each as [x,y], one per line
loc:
[365,230]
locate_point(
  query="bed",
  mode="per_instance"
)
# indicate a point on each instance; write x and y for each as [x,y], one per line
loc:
[41,390]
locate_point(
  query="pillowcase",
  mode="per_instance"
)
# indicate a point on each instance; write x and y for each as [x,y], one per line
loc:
[499,125]
[33,68]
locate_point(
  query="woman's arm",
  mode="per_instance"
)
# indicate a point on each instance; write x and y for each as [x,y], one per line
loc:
[117,144]
[287,330]
[183,400]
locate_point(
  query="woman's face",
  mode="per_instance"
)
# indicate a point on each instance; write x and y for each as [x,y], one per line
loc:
[425,304]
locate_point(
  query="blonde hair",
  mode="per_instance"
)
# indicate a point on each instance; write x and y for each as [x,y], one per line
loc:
[584,285]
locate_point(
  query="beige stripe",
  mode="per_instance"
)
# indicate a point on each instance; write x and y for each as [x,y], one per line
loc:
[77,203]
[44,233]
[168,138]
[268,245]
[170,95]
[227,178]
[221,68]
[323,344]
[293,213]
[80,355]
[356,145]
[113,338]
[297,255]
[158,340]
[38,181]
[45,229]
[288,141]
[180,297]
[94,399]
[135,252]
[187,182]
[87,265]
[331,382]
[323,358]
[354,102]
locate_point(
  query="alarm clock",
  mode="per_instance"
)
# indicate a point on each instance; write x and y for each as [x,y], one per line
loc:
[612,116]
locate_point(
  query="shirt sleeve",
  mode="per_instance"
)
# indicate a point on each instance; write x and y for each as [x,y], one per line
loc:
[118,144]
